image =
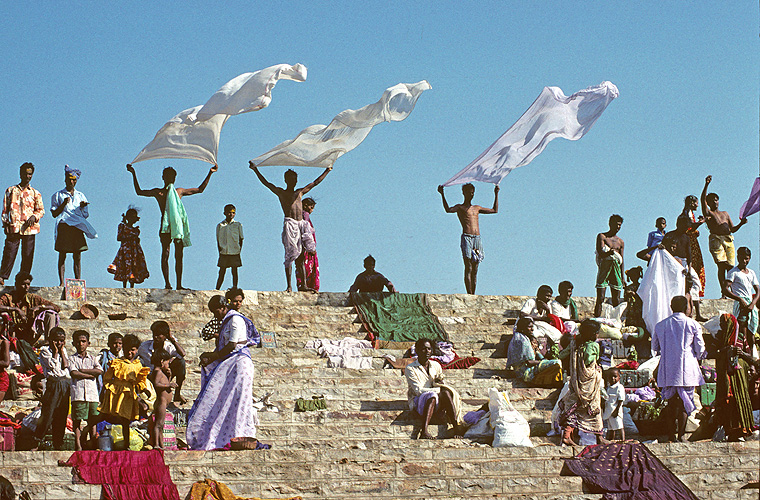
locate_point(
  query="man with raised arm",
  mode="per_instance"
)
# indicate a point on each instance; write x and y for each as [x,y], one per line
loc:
[296,232]
[609,258]
[174,225]
[721,233]
[472,247]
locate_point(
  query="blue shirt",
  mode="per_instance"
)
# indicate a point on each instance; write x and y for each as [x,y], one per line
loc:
[655,238]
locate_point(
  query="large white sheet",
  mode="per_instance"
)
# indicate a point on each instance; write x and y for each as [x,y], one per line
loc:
[320,145]
[185,137]
[250,91]
[550,116]
[194,133]
[663,280]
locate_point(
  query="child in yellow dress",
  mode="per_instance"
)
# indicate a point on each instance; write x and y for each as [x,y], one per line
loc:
[123,382]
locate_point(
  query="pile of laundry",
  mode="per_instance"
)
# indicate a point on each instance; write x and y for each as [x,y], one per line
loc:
[346,353]
[443,353]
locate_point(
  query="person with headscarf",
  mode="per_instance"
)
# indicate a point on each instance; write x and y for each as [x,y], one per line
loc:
[69,207]
[580,408]
[732,400]
[174,225]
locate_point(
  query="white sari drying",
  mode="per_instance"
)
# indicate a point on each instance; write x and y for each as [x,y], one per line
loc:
[550,116]
[320,145]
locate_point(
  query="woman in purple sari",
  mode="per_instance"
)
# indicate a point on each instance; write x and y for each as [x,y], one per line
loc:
[224,407]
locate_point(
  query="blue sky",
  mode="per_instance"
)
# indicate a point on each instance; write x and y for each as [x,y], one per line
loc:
[90,85]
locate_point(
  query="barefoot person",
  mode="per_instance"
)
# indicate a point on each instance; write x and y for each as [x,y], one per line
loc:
[472,247]
[609,258]
[296,232]
[721,232]
[69,207]
[174,225]
[428,394]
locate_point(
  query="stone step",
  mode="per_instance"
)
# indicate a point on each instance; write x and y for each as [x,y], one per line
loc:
[440,469]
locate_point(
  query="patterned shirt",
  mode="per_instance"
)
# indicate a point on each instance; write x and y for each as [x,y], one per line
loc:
[27,304]
[19,205]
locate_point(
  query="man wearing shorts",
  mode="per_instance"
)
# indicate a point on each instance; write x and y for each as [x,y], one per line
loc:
[609,258]
[721,233]
[472,247]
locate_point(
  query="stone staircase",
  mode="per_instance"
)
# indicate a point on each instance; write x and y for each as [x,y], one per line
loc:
[362,446]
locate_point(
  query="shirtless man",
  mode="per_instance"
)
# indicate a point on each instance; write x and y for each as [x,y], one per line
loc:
[721,233]
[296,232]
[609,258]
[472,248]
[165,235]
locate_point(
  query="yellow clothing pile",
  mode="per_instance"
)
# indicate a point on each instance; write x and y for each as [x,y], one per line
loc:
[214,490]
[123,383]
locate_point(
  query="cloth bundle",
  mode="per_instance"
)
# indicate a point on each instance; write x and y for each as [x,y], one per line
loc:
[346,353]
[125,475]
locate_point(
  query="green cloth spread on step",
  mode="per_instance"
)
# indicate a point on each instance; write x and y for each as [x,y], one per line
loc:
[174,220]
[398,317]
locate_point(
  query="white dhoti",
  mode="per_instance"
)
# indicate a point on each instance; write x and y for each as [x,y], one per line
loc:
[297,235]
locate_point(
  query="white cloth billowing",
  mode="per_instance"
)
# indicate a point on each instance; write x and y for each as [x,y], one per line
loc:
[250,91]
[663,280]
[550,116]
[320,145]
[184,137]
[194,133]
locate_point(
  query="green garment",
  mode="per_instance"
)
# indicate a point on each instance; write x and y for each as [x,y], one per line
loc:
[398,317]
[573,307]
[174,220]
[589,352]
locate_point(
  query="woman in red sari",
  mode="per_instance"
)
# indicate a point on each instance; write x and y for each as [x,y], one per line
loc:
[311,262]
[690,204]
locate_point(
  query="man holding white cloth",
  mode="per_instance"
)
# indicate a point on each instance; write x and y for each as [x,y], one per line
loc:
[297,234]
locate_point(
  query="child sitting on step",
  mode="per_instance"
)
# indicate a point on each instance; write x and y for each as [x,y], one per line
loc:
[123,382]
[162,383]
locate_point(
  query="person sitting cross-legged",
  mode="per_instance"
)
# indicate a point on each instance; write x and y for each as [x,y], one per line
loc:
[427,393]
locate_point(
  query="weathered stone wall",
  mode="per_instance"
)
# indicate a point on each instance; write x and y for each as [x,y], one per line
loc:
[362,446]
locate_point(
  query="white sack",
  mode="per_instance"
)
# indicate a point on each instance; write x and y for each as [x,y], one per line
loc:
[663,280]
[249,91]
[550,116]
[320,145]
[184,137]
[510,428]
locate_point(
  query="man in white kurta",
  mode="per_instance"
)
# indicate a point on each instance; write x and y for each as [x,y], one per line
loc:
[678,339]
